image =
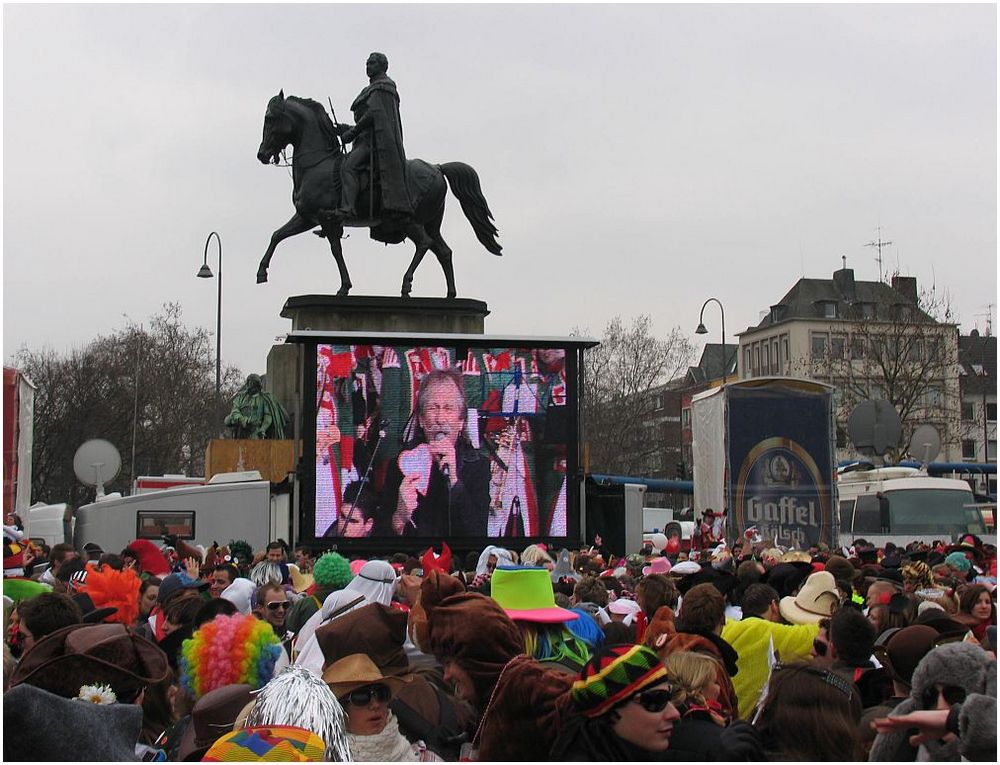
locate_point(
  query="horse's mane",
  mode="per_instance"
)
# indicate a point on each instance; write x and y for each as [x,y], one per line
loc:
[322,118]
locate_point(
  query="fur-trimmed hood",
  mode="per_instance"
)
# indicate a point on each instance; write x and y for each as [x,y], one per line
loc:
[961,664]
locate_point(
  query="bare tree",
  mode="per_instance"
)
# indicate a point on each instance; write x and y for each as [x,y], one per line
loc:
[619,396]
[904,353]
[155,383]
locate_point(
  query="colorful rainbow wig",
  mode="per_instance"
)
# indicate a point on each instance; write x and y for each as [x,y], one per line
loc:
[229,650]
[109,588]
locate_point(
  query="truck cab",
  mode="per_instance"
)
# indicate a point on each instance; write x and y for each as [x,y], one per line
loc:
[903,504]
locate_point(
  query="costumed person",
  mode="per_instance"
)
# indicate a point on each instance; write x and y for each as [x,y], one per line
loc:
[228,650]
[299,698]
[809,714]
[954,674]
[256,413]
[274,743]
[491,557]
[375,583]
[378,133]
[212,717]
[711,529]
[620,709]
[518,699]
[425,708]
[526,596]
[331,572]
[372,729]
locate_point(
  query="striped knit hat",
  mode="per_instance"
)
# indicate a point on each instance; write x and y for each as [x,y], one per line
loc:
[614,676]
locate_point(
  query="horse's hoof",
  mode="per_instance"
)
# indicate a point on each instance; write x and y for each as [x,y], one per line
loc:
[404,293]
[343,291]
[261,277]
[451,294]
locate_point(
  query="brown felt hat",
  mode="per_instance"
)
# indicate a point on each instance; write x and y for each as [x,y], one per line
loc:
[89,654]
[375,630]
[842,569]
[213,716]
[904,649]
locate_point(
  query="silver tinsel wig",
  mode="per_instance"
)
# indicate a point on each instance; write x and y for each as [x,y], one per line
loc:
[297,697]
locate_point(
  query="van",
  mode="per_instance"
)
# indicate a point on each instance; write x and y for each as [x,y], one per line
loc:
[902,504]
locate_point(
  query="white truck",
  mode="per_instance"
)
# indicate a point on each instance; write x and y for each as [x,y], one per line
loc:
[230,506]
[902,504]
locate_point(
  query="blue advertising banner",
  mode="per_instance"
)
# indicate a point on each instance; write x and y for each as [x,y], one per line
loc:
[781,460]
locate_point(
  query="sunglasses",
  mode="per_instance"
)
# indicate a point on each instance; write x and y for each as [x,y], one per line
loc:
[952,695]
[274,605]
[362,696]
[657,700]
[819,647]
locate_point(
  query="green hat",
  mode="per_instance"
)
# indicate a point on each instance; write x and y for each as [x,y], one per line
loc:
[23,589]
[332,570]
[526,594]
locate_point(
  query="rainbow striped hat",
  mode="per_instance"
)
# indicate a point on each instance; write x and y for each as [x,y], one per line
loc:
[615,675]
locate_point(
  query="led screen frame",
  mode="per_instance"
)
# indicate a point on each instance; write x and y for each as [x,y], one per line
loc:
[479,428]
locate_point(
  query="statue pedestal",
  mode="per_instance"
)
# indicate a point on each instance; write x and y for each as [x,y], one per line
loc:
[273,458]
[461,316]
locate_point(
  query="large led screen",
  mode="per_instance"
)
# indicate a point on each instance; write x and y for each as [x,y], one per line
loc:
[440,442]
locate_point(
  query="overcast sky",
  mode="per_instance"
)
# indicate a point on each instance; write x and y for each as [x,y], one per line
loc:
[638,159]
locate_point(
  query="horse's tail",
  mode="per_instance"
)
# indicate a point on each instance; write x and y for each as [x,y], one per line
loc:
[464,184]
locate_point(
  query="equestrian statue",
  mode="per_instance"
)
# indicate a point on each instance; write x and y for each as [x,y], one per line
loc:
[373,186]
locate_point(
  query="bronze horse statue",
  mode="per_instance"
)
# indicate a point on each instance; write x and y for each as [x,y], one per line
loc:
[305,125]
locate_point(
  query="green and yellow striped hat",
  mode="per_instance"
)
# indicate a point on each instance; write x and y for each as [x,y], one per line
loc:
[615,675]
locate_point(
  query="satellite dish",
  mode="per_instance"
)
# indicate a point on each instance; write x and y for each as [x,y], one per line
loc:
[925,443]
[874,427]
[96,463]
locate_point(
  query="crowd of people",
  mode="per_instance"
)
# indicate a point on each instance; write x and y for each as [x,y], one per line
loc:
[176,652]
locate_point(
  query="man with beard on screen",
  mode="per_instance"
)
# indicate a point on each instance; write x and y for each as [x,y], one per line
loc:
[439,484]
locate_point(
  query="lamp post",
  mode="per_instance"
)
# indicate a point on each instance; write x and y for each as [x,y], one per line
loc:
[702,331]
[206,273]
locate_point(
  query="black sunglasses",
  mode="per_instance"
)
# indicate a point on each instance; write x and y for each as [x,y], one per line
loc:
[819,647]
[656,700]
[952,695]
[274,605]
[363,696]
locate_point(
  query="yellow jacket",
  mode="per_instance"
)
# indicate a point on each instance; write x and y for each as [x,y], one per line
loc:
[750,637]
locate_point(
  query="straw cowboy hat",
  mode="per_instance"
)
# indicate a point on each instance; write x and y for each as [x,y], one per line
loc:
[357,671]
[817,600]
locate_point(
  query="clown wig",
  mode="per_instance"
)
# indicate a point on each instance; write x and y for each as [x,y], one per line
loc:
[109,588]
[229,650]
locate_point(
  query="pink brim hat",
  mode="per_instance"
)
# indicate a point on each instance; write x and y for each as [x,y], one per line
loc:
[554,615]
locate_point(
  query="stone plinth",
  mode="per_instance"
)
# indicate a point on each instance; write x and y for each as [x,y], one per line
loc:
[385,314]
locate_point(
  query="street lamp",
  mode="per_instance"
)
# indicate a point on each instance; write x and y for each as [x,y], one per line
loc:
[702,331]
[206,273]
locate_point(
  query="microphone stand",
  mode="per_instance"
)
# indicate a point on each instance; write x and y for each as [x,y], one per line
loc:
[364,479]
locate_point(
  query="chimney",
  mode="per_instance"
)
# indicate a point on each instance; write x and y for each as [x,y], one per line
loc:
[906,286]
[844,282]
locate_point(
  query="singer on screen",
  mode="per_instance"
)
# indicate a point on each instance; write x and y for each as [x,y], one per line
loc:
[439,484]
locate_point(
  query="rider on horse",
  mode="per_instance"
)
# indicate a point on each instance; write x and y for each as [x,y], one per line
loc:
[377,127]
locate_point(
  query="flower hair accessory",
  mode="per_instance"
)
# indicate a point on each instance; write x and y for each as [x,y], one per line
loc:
[97,694]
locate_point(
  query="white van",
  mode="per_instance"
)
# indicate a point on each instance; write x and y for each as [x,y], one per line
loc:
[229,507]
[902,504]
[49,523]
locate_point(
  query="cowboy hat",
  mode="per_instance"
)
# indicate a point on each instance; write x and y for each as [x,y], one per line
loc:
[657,566]
[796,556]
[817,600]
[213,716]
[357,671]
[526,594]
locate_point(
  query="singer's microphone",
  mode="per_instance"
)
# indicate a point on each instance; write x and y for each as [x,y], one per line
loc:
[382,425]
[445,470]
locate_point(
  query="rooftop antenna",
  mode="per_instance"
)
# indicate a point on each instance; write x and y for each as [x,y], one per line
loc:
[843,259]
[879,243]
[989,318]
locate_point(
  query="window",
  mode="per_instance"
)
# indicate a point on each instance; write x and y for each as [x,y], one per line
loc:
[841,437]
[867,310]
[787,359]
[837,345]
[829,309]
[756,359]
[968,410]
[686,418]
[991,450]
[968,449]
[991,411]
[766,368]
[857,347]
[818,342]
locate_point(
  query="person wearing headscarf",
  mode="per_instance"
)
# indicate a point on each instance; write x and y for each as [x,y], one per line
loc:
[331,572]
[491,557]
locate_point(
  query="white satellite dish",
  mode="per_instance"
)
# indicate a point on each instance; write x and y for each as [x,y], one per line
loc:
[96,463]
[925,444]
